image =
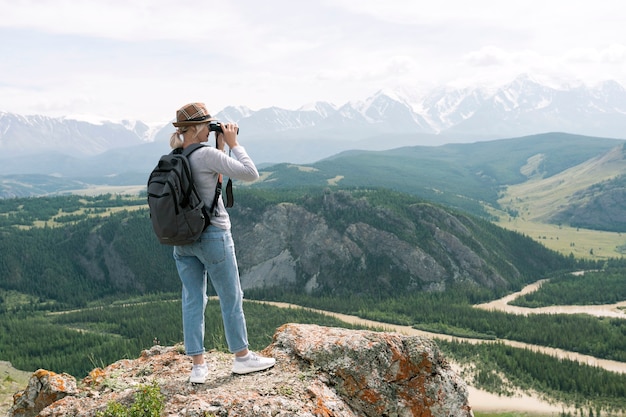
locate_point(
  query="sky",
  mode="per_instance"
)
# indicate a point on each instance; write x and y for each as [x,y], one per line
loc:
[143,59]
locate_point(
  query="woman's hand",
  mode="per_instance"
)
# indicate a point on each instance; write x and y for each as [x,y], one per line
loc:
[230,134]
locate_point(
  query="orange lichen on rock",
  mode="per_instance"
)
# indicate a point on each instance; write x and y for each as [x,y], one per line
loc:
[44,388]
[95,377]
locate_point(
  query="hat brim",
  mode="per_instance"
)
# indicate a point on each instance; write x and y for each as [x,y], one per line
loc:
[193,122]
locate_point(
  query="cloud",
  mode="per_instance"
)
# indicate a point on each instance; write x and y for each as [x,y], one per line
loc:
[487,56]
[612,54]
[136,20]
[141,59]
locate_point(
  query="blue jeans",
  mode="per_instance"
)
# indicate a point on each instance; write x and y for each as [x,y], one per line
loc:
[212,255]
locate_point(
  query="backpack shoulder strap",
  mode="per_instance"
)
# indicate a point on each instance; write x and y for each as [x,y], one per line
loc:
[191,148]
[218,188]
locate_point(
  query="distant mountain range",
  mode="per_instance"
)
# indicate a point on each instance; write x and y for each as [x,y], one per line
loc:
[384,121]
[42,155]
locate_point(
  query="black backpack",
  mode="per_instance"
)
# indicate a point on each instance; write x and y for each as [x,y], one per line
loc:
[178,214]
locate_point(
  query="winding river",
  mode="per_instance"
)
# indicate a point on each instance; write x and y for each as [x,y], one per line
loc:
[606,310]
[523,402]
[502,304]
[609,365]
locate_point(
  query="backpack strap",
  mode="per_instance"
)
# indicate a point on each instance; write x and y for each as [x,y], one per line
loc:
[218,192]
[229,193]
[191,188]
[189,149]
[218,188]
[229,186]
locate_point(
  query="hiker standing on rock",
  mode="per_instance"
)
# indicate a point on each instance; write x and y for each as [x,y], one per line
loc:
[212,256]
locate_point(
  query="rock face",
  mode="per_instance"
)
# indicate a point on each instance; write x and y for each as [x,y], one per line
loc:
[44,388]
[313,249]
[320,371]
[378,374]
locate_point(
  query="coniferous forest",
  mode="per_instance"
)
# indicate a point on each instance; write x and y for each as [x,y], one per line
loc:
[84,283]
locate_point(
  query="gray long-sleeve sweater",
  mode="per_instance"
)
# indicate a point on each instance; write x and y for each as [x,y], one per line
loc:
[207,163]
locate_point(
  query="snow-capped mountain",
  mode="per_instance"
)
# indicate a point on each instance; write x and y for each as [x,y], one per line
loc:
[385,120]
[526,107]
[33,134]
[443,115]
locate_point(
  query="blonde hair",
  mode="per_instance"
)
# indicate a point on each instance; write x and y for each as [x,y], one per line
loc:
[177,140]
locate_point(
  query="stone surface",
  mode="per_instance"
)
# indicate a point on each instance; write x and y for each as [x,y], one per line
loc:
[320,371]
[44,388]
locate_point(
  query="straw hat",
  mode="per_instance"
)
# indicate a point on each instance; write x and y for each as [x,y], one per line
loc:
[192,114]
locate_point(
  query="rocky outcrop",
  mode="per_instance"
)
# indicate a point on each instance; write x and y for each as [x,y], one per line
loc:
[44,388]
[320,371]
[328,248]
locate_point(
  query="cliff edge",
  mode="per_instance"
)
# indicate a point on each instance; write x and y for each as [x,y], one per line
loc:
[320,371]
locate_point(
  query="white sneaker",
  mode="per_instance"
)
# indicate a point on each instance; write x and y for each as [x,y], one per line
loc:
[199,374]
[252,363]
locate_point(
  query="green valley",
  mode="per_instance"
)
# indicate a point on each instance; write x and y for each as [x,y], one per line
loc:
[77,291]
[411,237]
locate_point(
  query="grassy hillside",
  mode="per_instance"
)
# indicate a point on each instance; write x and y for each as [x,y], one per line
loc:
[581,243]
[601,206]
[464,176]
[542,198]
[581,210]
[11,381]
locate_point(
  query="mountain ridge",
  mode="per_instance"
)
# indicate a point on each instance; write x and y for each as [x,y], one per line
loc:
[285,241]
[443,115]
[464,176]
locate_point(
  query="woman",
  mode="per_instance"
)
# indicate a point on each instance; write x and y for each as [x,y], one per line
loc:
[213,255]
